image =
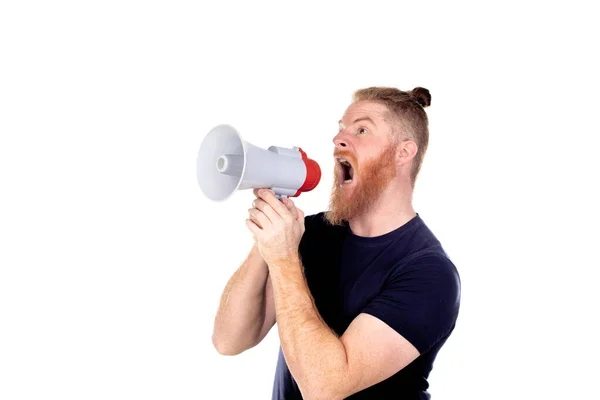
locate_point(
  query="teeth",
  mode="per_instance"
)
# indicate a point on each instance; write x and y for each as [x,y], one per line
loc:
[348,181]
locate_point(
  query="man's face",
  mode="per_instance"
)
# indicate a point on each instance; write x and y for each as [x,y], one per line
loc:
[364,160]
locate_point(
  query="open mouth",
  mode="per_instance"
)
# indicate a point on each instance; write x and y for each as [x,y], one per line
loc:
[346,171]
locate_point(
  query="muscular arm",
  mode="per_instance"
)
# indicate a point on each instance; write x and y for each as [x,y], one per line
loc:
[246,312]
[324,365]
[380,341]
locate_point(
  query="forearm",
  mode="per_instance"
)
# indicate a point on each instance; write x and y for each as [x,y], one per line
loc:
[315,355]
[241,312]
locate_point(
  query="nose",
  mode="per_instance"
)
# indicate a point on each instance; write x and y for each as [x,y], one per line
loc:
[339,141]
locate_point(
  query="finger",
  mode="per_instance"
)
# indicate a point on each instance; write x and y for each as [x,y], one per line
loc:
[298,213]
[266,209]
[257,190]
[258,217]
[274,202]
[291,206]
[253,227]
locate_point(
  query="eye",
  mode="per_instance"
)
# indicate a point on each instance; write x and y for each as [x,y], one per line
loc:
[362,131]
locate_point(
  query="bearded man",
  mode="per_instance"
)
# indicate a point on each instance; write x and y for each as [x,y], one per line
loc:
[363,294]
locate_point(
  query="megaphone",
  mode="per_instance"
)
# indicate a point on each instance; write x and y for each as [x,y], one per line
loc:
[226,163]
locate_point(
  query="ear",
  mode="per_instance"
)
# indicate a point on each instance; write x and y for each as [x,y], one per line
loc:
[406,151]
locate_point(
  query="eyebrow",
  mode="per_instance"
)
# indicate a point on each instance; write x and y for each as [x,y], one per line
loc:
[361,119]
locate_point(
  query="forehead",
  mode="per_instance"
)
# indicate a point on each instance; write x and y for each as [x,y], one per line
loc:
[377,112]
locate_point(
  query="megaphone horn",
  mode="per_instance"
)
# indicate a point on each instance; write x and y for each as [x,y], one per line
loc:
[227,163]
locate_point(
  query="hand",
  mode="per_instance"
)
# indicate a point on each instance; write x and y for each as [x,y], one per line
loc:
[277,226]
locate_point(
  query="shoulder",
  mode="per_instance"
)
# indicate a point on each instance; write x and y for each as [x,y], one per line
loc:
[420,299]
[427,257]
[433,264]
[430,275]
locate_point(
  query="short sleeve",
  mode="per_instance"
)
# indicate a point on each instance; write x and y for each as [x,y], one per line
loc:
[420,301]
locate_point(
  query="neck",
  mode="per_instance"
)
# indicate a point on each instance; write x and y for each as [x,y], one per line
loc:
[392,210]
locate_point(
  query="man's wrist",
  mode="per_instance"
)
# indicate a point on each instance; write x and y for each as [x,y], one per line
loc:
[292,260]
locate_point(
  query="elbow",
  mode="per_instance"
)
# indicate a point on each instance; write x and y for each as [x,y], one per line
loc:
[320,392]
[316,396]
[321,395]
[224,348]
[229,347]
[226,351]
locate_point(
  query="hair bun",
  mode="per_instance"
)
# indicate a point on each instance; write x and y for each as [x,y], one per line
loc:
[421,96]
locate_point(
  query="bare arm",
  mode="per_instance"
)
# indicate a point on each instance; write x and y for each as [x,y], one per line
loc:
[325,365]
[246,311]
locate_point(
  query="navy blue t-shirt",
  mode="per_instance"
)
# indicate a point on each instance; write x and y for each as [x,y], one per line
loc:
[404,278]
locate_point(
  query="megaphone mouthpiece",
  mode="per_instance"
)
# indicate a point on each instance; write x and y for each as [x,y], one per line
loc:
[227,163]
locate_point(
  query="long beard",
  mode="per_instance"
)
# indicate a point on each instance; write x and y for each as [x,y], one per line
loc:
[372,177]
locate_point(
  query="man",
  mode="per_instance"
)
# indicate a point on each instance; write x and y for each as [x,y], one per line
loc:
[363,294]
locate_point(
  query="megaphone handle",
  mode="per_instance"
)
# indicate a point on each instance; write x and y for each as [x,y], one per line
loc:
[282,192]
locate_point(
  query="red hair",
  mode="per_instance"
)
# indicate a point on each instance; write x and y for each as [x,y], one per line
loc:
[408,110]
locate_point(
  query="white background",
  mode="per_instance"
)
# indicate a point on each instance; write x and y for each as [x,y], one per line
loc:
[113,262]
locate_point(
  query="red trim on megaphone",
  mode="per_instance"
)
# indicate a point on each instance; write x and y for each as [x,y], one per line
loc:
[313,174]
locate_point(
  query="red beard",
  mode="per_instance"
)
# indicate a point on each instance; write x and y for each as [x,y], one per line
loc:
[369,181]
